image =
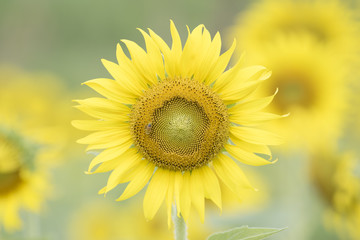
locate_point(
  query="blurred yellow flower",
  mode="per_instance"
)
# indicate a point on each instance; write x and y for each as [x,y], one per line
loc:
[331,23]
[312,88]
[167,119]
[31,137]
[337,178]
[102,220]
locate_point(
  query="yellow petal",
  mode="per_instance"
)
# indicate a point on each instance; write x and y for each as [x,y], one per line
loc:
[253,118]
[109,154]
[125,163]
[211,185]
[197,193]
[97,125]
[246,157]
[142,176]
[221,63]
[132,87]
[231,174]
[177,189]
[254,148]
[154,55]
[185,197]
[143,62]
[111,90]
[156,192]
[253,105]
[256,136]
[105,136]
[132,78]
[170,196]
[192,53]
[104,109]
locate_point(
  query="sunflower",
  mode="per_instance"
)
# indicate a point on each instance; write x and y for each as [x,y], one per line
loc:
[101,220]
[172,117]
[335,176]
[30,141]
[20,185]
[332,24]
[312,87]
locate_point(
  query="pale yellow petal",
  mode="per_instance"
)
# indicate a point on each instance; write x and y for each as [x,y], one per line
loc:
[256,136]
[231,174]
[156,192]
[253,105]
[197,193]
[250,147]
[253,118]
[246,157]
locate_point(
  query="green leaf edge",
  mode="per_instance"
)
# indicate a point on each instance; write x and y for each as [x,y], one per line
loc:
[265,235]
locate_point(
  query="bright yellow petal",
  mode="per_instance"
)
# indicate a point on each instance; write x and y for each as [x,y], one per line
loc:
[170,196]
[109,154]
[111,90]
[185,197]
[156,192]
[97,125]
[116,72]
[221,64]
[124,164]
[142,176]
[177,190]
[104,109]
[211,185]
[154,55]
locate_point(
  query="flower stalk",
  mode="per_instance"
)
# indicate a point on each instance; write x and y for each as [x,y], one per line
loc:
[180,228]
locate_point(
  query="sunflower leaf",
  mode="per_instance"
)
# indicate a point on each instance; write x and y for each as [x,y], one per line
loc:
[245,233]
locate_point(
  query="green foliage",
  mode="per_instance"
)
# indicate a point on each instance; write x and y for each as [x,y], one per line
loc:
[245,233]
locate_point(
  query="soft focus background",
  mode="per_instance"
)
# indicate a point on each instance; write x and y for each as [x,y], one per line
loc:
[48,48]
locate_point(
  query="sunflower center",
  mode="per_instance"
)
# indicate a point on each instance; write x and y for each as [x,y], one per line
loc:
[294,91]
[10,155]
[179,124]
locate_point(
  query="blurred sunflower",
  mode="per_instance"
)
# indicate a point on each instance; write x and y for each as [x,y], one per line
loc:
[30,141]
[332,24]
[169,116]
[311,87]
[105,221]
[337,179]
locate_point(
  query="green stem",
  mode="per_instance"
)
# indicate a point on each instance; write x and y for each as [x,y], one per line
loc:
[180,231]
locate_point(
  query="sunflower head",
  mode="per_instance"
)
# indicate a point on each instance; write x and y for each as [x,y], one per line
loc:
[169,116]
